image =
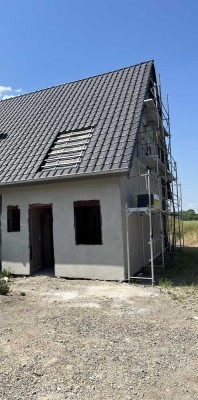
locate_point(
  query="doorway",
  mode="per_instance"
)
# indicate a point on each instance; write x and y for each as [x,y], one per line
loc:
[41,238]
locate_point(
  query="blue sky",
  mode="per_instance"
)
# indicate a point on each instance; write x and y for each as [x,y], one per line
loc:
[47,42]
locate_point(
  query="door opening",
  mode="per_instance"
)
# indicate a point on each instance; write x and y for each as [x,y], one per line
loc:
[41,238]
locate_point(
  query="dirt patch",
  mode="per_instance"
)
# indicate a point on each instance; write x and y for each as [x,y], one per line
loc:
[97,340]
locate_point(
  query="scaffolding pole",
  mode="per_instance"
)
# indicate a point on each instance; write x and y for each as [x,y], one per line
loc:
[151,228]
[154,152]
[128,244]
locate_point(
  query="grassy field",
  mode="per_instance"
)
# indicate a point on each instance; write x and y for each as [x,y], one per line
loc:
[191,233]
[182,270]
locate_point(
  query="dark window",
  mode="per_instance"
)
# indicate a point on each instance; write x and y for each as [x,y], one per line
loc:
[13,219]
[87,219]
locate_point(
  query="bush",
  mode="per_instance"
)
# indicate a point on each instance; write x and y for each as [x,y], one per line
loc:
[4,288]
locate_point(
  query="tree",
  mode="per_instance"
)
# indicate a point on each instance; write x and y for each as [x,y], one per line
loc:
[190,215]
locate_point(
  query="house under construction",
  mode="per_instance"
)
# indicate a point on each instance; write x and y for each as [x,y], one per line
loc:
[88,184]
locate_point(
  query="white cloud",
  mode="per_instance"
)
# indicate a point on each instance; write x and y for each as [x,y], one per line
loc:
[6,92]
[7,96]
[5,89]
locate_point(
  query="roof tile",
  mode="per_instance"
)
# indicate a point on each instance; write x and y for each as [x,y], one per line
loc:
[111,103]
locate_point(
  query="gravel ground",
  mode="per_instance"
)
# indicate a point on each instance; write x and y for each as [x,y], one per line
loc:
[64,339]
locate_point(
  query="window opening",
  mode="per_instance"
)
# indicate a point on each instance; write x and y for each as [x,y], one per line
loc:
[13,219]
[88,224]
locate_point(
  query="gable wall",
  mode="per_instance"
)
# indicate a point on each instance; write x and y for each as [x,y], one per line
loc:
[104,261]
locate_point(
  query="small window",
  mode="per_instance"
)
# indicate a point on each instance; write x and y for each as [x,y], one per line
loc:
[13,219]
[87,217]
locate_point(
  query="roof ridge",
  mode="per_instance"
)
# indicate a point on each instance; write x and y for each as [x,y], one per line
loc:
[78,80]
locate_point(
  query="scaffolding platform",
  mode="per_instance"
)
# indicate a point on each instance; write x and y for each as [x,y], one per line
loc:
[146,210]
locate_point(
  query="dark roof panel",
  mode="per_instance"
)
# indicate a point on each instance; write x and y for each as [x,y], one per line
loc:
[110,103]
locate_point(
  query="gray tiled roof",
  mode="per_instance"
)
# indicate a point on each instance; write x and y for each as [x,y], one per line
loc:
[111,103]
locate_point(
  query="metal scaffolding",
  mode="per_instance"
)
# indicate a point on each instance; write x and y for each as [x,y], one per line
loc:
[154,154]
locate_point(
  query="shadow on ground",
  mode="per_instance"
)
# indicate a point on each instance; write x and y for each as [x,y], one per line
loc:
[183,269]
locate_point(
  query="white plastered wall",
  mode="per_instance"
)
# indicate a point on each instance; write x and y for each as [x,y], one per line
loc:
[138,227]
[104,261]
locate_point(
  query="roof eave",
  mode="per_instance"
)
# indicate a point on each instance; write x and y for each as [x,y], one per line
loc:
[65,178]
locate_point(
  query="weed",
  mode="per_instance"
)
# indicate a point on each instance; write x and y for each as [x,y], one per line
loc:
[4,288]
[6,272]
[164,283]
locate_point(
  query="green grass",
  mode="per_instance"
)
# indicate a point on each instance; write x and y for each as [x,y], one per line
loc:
[182,271]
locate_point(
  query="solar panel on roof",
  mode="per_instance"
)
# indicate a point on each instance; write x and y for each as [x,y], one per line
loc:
[68,149]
